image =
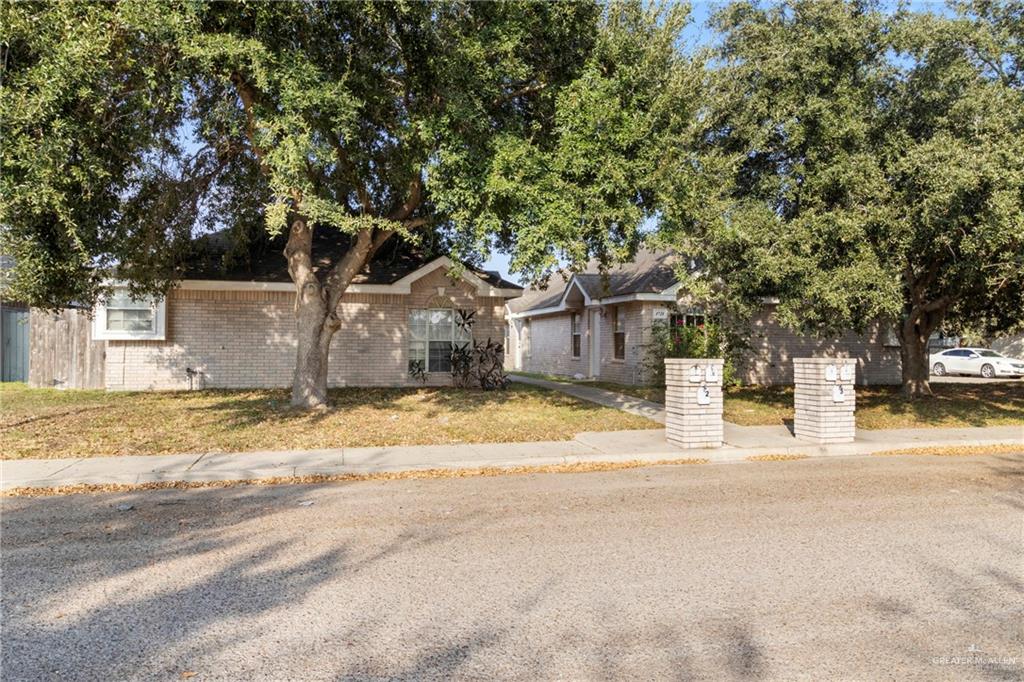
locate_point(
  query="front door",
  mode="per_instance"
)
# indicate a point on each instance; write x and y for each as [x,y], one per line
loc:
[594,342]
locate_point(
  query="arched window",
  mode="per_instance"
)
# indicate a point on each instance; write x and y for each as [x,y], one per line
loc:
[433,333]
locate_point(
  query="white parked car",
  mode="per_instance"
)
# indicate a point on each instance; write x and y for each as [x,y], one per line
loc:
[975,361]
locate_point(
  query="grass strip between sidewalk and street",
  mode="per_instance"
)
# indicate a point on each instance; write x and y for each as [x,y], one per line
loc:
[956,450]
[776,458]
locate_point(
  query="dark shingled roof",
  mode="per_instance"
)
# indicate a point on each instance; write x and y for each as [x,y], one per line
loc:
[265,261]
[650,272]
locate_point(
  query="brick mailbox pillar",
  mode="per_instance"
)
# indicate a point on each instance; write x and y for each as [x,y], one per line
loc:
[824,399]
[693,402]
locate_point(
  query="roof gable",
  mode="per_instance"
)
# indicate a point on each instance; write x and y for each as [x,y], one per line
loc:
[649,276]
[264,267]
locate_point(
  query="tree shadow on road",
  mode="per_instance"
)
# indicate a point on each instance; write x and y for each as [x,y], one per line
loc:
[98,590]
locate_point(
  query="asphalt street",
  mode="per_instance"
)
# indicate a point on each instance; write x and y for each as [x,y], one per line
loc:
[832,569]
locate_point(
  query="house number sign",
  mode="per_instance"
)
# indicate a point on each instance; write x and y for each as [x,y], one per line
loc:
[830,373]
[703,396]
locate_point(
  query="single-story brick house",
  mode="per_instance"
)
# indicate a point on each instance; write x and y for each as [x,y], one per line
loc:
[598,326]
[234,327]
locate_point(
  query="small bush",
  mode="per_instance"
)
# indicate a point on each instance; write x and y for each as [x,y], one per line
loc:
[705,341]
[479,364]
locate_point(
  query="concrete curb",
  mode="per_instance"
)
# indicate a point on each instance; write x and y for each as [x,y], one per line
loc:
[283,464]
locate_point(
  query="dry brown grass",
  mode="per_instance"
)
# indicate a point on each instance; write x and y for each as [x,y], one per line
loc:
[46,423]
[775,458]
[878,407]
[574,468]
[957,450]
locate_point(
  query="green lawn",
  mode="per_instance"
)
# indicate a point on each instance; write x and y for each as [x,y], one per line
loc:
[46,423]
[878,407]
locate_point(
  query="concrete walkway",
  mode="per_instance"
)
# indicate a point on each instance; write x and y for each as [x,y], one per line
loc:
[613,399]
[609,446]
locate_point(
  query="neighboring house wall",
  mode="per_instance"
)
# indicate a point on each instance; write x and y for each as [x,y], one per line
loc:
[629,370]
[246,339]
[62,353]
[551,344]
[1011,346]
[514,330]
[551,347]
[769,359]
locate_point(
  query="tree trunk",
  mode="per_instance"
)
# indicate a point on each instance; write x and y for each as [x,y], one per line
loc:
[316,304]
[915,366]
[314,330]
[915,331]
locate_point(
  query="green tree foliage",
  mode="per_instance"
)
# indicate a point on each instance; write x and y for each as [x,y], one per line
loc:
[89,107]
[130,126]
[704,341]
[857,165]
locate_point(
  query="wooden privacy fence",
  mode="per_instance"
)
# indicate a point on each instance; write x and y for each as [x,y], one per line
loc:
[62,353]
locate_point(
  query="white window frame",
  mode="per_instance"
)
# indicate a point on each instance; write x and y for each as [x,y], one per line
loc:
[575,336]
[689,318]
[618,327]
[454,336]
[156,332]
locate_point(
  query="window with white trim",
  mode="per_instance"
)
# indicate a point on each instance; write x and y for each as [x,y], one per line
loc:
[688,319]
[619,332]
[121,317]
[576,337]
[433,333]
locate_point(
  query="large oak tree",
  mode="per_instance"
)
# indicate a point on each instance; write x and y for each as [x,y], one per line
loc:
[859,165]
[131,126]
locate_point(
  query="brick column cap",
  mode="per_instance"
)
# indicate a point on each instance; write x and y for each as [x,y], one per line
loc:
[691,361]
[825,361]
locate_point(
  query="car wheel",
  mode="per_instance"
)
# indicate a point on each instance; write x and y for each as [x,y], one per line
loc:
[988,371]
[939,369]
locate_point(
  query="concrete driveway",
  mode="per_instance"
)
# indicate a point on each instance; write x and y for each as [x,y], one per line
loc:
[840,569]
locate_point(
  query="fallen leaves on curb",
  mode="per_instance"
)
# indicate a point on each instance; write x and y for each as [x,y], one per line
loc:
[775,458]
[956,450]
[574,468]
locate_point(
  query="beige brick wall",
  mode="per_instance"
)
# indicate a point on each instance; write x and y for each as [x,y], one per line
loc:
[247,339]
[551,350]
[773,347]
[630,369]
[819,415]
[688,423]
[767,361]
[551,347]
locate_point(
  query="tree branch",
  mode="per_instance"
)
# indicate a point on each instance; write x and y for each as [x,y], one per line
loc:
[938,304]
[345,270]
[412,202]
[415,222]
[528,89]
[298,251]
[249,96]
[350,169]
[379,239]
